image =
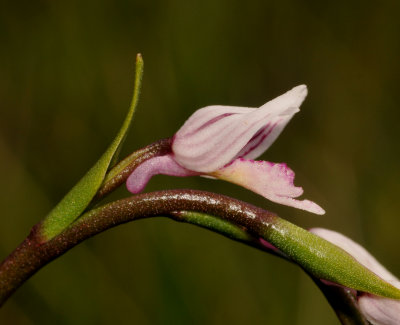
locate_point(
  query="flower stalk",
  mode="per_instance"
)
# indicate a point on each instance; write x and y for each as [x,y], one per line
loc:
[33,254]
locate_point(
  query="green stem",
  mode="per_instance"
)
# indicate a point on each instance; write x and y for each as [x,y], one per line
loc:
[342,300]
[225,228]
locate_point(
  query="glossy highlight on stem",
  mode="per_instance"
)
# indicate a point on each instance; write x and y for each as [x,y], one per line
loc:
[308,250]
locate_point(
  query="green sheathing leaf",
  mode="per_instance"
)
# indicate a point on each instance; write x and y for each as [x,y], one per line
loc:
[216,224]
[119,140]
[79,197]
[317,256]
[326,261]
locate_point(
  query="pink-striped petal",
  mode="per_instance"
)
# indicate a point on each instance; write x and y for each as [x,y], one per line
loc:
[165,165]
[215,135]
[273,181]
[378,310]
[263,139]
[211,140]
[205,116]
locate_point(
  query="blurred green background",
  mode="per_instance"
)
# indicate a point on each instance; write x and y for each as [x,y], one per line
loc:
[66,72]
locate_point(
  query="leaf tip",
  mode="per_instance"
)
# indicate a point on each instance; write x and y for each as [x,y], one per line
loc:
[139,61]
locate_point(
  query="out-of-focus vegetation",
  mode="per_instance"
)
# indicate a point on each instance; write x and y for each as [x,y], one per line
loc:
[66,72]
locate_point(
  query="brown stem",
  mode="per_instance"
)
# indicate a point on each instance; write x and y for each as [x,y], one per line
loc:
[343,302]
[31,254]
[119,173]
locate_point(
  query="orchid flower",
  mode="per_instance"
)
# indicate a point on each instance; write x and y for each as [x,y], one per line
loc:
[222,141]
[377,310]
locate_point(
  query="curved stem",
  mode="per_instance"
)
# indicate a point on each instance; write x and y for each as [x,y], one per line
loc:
[342,300]
[120,172]
[240,221]
[32,254]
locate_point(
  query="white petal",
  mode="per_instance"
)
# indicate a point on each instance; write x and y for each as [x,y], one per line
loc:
[203,116]
[210,140]
[263,140]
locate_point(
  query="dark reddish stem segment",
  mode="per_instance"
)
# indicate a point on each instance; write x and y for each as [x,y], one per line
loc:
[129,164]
[343,302]
[31,254]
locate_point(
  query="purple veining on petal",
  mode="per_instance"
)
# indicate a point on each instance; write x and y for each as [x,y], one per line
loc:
[210,141]
[217,144]
[212,147]
[377,310]
[278,124]
[205,114]
[227,147]
[271,180]
[208,123]
[165,165]
[276,129]
[257,139]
